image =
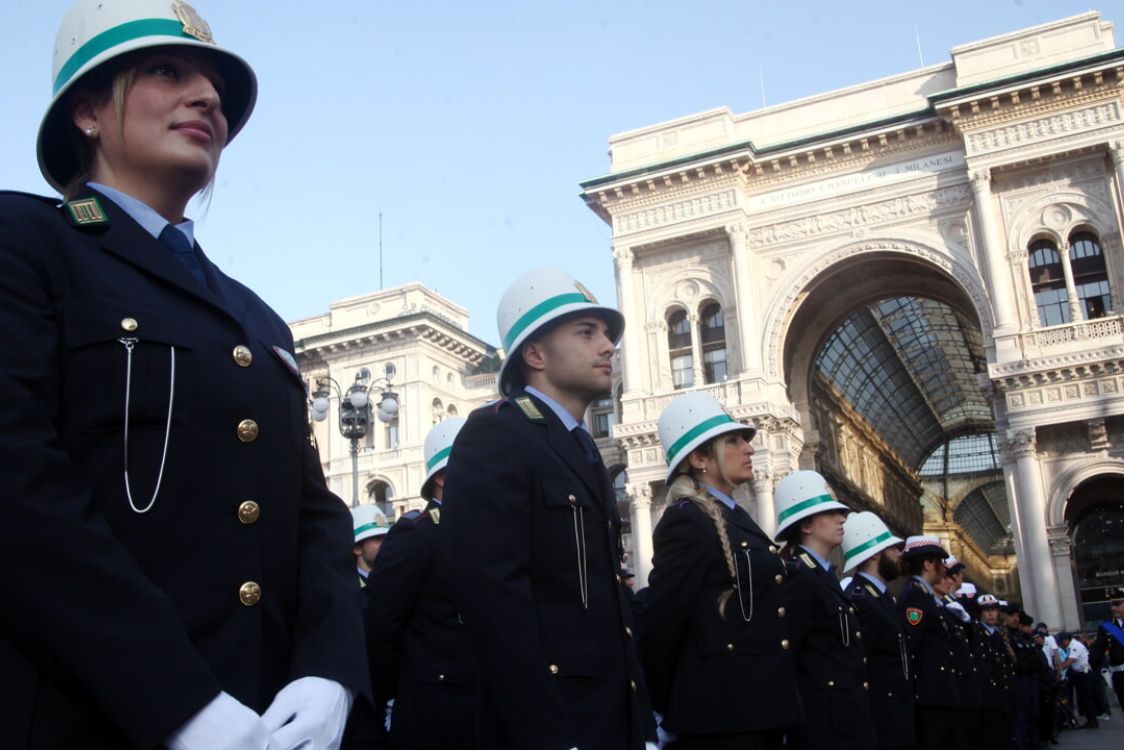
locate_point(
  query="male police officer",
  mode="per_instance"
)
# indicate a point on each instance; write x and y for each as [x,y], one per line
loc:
[871,547]
[370,527]
[1110,638]
[534,534]
[418,650]
[930,644]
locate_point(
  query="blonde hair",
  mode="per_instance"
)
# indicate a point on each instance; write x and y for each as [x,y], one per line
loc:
[686,486]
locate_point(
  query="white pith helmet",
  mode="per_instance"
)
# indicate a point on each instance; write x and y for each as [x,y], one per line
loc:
[97,31]
[438,446]
[802,494]
[864,536]
[368,521]
[691,420]
[539,297]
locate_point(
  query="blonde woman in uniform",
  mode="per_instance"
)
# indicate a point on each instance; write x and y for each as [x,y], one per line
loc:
[714,640]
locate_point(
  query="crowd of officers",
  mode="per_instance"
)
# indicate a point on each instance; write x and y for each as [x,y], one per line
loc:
[499,616]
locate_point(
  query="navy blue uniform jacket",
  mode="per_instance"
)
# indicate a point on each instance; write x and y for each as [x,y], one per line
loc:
[827,638]
[711,673]
[930,645]
[116,627]
[534,538]
[416,642]
[888,664]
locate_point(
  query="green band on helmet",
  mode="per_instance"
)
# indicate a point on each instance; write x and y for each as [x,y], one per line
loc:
[110,38]
[695,432]
[867,545]
[537,312]
[367,527]
[444,453]
[810,502]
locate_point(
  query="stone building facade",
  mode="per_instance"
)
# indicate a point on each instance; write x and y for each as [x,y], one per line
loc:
[872,273]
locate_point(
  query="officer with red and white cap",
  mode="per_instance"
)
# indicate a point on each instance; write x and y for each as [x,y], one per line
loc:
[997,673]
[930,643]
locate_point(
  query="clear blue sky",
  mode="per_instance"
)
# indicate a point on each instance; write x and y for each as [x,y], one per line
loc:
[470,124]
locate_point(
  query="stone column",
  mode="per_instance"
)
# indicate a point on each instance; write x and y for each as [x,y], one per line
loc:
[640,511]
[992,254]
[1036,569]
[1061,549]
[1076,313]
[696,348]
[763,493]
[630,342]
[748,326]
[1116,151]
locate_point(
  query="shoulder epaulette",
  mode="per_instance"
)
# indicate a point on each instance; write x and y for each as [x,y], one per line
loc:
[807,560]
[435,514]
[527,406]
[871,589]
[86,212]
[412,515]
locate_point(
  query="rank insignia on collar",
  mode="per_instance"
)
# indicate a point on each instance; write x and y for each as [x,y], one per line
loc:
[807,560]
[435,514]
[529,409]
[870,588]
[86,212]
[913,615]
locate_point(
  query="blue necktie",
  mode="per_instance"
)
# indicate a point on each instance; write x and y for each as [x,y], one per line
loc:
[592,455]
[176,241]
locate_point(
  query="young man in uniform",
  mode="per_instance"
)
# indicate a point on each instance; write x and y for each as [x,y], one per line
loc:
[930,644]
[874,554]
[534,535]
[416,643]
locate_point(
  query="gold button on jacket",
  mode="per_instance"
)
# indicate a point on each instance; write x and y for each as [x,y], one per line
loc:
[249,512]
[249,593]
[243,356]
[247,430]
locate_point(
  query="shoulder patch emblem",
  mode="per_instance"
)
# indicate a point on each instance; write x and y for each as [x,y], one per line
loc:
[913,615]
[527,406]
[86,212]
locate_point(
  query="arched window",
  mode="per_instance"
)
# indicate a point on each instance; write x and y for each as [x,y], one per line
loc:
[382,495]
[713,343]
[1089,274]
[452,410]
[438,411]
[679,349]
[1047,279]
[436,374]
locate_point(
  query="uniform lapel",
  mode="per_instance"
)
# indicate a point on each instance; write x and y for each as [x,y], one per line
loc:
[568,449]
[743,520]
[127,240]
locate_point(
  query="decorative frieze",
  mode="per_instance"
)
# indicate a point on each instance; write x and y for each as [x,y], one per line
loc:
[851,219]
[673,213]
[1045,128]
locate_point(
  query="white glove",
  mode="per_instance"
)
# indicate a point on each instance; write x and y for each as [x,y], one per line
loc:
[223,724]
[308,713]
[651,746]
[665,737]
[958,609]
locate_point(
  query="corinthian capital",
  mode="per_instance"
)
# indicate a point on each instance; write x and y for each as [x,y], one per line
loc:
[1021,443]
[623,256]
[980,179]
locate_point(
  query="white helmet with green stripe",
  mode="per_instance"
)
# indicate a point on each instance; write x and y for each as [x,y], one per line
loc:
[95,32]
[535,299]
[691,420]
[368,521]
[864,536]
[438,446]
[802,494]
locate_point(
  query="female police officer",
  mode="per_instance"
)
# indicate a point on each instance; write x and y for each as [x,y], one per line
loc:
[713,637]
[825,631]
[174,564]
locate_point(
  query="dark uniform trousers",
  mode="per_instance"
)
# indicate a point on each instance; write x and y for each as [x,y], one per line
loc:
[996,666]
[930,645]
[417,646]
[827,639]
[968,678]
[1028,671]
[719,679]
[888,667]
[238,577]
[1106,642]
[534,542]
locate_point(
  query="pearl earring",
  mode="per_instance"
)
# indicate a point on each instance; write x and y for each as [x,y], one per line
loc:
[90,131]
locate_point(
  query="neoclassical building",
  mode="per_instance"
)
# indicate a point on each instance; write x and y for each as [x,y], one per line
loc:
[408,340]
[911,285]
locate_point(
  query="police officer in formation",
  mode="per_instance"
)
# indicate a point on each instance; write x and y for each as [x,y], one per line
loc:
[930,643]
[715,643]
[154,430]
[872,551]
[1028,670]
[1108,648]
[534,535]
[824,629]
[416,642]
[997,670]
[370,529]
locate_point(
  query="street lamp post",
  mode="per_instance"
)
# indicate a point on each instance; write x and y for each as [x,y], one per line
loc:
[355,412]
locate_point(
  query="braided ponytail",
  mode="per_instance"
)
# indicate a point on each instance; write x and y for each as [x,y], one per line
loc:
[686,487]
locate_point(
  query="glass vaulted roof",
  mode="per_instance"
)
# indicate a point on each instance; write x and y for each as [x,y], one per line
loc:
[909,366]
[984,515]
